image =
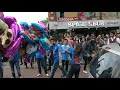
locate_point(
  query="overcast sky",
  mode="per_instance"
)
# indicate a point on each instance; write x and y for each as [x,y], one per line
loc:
[27,16]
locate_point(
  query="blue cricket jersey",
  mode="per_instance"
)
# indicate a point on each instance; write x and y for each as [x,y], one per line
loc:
[56,50]
[64,54]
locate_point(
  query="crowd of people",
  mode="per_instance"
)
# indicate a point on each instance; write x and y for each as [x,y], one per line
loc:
[66,54]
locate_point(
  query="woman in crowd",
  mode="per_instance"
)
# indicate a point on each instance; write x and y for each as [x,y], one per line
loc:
[87,53]
[75,63]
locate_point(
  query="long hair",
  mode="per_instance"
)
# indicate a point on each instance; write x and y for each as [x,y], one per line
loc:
[78,49]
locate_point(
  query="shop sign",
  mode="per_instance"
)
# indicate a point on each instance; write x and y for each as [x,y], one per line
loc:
[86,24]
[67,19]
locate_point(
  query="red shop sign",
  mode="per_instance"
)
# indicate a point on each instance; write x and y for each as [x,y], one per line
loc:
[67,19]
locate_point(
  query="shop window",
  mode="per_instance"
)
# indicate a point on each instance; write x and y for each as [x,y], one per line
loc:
[61,14]
[93,14]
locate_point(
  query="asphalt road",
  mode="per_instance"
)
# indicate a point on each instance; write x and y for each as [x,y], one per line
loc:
[32,73]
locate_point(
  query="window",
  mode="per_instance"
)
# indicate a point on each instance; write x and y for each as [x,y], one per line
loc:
[61,14]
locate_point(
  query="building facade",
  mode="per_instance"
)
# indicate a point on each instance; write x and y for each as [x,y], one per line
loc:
[55,16]
[84,20]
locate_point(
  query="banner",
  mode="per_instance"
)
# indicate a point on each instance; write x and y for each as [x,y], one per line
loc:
[84,24]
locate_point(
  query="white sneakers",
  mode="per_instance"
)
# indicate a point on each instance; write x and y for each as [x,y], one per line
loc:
[84,71]
[47,75]
[19,77]
[38,75]
[41,74]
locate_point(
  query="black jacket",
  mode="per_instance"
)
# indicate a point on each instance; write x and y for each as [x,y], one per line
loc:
[88,49]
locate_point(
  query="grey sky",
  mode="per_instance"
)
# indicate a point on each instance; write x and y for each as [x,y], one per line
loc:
[28,16]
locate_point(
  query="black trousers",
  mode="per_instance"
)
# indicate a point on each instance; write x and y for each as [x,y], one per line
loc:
[74,70]
[65,63]
[87,60]
[41,62]
[51,62]
[21,60]
[30,64]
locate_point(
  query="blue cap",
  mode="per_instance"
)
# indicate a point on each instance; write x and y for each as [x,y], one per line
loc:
[37,26]
[25,24]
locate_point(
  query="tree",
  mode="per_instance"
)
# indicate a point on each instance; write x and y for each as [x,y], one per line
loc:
[45,21]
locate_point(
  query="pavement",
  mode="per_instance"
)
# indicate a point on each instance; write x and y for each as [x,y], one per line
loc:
[32,73]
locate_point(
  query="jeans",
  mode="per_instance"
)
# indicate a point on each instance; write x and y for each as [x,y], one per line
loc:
[12,63]
[65,63]
[74,70]
[41,62]
[54,68]
[1,70]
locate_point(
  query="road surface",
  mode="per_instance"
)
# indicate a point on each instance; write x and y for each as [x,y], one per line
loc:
[32,73]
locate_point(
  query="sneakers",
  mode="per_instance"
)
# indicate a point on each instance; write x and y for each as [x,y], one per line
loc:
[84,71]
[41,74]
[20,76]
[38,75]
[47,75]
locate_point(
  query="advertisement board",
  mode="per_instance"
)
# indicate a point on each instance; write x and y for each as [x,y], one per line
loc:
[84,24]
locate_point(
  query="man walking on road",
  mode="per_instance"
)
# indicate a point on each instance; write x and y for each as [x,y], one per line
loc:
[57,59]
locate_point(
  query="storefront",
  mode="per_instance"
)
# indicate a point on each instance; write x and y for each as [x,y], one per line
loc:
[90,26]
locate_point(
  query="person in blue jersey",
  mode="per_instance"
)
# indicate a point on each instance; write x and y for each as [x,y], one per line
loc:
[75,63]
[59,42]
[57,59]
[40,55]
[15,62]
[65,54]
